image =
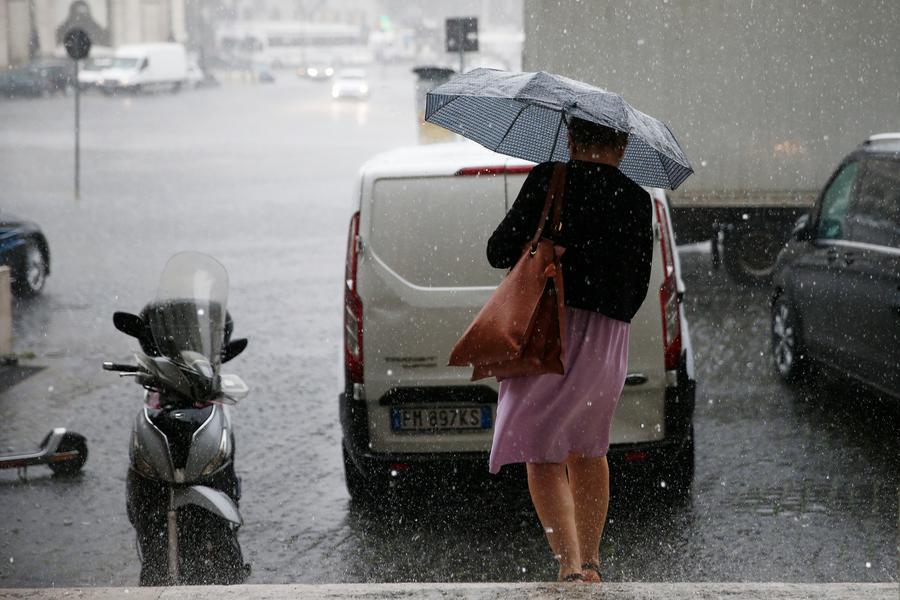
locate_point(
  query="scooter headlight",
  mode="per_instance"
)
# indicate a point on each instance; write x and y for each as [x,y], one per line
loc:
[220,456]
[140,463]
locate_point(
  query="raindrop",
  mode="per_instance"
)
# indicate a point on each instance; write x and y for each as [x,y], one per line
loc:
[390,372]
[11,560]
[548,530]
[393,473]
[868,565]
[50,389]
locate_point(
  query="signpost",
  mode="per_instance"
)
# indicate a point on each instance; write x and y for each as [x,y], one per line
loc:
[462,37]
[78,46]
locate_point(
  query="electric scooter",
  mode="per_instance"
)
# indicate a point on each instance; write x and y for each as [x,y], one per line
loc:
[65,452]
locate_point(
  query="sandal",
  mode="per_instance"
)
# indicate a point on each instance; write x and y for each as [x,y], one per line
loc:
[571,577]
[592,566]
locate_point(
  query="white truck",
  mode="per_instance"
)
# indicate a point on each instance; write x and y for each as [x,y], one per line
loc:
[764,97]
[146,67]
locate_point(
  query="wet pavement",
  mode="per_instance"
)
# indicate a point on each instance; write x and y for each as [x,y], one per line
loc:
[797,487]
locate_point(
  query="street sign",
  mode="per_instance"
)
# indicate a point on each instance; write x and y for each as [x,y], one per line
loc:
[77,44]
[462,34]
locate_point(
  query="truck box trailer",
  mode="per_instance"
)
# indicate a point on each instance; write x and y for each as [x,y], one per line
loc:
[765,98]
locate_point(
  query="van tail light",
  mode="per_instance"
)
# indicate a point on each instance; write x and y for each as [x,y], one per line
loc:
[353,325]
[668,293]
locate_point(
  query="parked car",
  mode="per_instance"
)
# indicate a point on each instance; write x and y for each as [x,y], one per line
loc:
[836,298]
[350,83]
[24,249]
[416,275]
[38,78]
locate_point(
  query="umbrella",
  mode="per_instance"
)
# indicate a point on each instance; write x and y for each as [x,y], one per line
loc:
[525,115]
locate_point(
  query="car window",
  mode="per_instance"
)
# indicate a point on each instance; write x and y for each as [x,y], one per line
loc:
[875,213]
[835,201]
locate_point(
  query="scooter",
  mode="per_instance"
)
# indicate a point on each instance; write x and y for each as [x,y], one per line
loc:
[65,452]
[182,491]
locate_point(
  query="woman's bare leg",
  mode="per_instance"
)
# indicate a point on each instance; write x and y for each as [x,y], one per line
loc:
[552,499]
[589,482]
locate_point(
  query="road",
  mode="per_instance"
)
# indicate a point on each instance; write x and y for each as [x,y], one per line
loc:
[789,486]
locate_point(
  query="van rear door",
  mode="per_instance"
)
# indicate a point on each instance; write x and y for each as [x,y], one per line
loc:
[640,415]
[422,277]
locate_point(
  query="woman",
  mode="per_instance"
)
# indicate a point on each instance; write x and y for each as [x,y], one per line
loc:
[559,424]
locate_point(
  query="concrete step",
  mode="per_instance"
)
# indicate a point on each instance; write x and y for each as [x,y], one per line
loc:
[477,591]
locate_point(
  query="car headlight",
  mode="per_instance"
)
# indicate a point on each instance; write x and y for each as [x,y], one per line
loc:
[335,92]
[312,72]
[329,71]
[364,89]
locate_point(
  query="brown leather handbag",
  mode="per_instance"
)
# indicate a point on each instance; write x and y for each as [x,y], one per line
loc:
[521,329]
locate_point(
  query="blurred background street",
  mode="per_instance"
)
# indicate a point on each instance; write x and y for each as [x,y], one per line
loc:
[788,487]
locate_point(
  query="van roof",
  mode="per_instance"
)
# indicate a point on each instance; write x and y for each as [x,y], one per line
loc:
[433,160]
[141,49]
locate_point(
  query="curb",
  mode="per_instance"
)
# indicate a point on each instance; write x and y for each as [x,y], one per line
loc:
[478,591]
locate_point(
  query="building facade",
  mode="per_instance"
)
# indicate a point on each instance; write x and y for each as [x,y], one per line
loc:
[35,28]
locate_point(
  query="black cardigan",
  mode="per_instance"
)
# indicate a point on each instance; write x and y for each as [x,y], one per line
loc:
[607,232]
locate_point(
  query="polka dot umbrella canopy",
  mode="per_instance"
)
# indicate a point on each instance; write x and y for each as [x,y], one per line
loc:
[525,115]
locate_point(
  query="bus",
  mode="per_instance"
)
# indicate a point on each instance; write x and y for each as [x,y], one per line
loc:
[279,44]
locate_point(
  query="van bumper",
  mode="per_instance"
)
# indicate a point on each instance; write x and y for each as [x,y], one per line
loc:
[626,459]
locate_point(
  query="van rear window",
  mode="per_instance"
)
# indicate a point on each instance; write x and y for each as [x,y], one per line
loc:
[433,231]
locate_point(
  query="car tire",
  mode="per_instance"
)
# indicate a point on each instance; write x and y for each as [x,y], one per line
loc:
[679,474]
[750,254]
[361,489]
[31,274]
[788,351]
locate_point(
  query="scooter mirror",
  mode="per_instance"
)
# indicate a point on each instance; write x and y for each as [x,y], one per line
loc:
[233,387]
[129,324]
[233,348]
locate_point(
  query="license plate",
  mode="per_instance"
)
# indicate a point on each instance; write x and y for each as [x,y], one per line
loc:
[441,418]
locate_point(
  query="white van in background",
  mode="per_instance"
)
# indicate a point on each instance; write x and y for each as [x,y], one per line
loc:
[146,67]
[416,275]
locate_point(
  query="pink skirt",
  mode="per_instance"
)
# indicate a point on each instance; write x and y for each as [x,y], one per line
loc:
[541,419]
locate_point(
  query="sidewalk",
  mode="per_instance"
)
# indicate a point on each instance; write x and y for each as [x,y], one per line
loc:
[478,591]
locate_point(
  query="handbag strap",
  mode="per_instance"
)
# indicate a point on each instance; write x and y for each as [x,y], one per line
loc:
[555,191]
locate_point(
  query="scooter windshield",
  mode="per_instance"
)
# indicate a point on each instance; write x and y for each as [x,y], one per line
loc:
[188,315]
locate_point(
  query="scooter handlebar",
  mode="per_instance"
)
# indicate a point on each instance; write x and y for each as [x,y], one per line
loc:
[111,366]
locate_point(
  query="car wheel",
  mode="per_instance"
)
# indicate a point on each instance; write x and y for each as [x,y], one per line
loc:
[32,273]
[788,352]
[360,488]
[679,475]
[750,254]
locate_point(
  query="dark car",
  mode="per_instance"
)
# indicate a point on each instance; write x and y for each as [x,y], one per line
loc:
[47,76]
[24,249]
[22,81]
[836,299]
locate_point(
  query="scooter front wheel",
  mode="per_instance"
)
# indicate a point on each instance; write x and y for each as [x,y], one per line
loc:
[70,456]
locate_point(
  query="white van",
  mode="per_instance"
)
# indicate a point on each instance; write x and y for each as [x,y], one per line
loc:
[146,67]
[417,274]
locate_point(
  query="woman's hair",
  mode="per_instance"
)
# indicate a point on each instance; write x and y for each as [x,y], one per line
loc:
[585,133]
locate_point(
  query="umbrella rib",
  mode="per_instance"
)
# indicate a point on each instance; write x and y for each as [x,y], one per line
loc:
[556,137]
[511,125]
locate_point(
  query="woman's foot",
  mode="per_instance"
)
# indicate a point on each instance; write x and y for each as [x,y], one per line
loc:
[591,571]
[575,577]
